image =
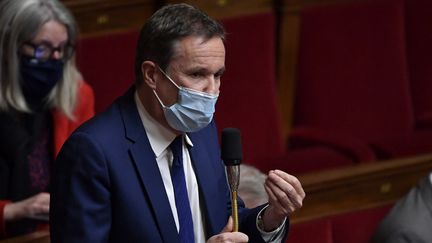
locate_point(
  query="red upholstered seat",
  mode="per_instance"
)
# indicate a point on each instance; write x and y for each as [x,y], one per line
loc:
[305,160]
[309,137]
[352,227]
[358,226]
[316,231]
[107,63]
[248,98]
[353,79]
[418,142]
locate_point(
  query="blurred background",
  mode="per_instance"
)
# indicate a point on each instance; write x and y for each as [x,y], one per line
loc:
[335,92]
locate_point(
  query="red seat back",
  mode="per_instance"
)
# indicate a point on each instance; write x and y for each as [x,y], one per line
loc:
[248,95]
[107,64]
[352,72]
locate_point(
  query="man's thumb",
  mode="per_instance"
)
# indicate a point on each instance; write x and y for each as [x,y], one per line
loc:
[229,226]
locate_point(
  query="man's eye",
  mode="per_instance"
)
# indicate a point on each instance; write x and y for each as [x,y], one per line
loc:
[196,75]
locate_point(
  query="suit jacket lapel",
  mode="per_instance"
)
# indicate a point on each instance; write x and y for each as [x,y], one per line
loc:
[215,205]
[145,163]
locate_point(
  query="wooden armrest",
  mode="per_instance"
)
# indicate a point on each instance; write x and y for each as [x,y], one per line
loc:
[35,237]
[361,186]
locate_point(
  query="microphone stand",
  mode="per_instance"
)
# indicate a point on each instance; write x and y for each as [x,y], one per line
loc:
[231,154]
[233,173]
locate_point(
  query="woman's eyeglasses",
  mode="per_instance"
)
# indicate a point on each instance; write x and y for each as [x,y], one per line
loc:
[44,51]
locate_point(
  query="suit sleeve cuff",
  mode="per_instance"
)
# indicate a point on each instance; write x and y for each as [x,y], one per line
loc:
[273,236]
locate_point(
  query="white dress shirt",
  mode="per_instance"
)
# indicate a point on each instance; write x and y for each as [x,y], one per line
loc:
[160,138]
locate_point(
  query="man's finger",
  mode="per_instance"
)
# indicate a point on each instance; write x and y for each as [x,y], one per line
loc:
[286,196]
[292,180]
[229,226]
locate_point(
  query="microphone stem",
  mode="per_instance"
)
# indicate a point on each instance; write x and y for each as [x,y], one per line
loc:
[234,210]
[234,180]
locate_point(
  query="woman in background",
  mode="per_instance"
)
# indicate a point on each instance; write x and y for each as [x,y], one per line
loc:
[42,100]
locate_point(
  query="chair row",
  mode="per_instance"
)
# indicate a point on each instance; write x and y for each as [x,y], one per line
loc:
[362,85]
[358,96]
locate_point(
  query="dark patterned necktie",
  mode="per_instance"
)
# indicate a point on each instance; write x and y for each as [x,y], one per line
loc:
[186,232]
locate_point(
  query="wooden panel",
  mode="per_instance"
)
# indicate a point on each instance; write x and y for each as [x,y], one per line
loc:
[36,237]
[297,4]
[358,187]
[100,16]
[287,64]
[229,8]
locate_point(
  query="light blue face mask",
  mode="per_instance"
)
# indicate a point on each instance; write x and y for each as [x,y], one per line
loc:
[193,110]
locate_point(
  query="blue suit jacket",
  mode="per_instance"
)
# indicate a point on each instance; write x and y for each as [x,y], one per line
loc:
[107,186]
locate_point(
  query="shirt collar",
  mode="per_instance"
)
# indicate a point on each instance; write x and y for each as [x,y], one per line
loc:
[159,136]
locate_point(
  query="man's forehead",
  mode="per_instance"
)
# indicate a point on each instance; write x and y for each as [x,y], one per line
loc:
[199,46]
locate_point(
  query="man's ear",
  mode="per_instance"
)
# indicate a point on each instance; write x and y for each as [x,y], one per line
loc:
[148,70]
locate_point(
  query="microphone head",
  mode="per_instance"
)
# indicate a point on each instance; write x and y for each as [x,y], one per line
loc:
[231,148]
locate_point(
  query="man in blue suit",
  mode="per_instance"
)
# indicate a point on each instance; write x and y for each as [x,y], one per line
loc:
[148,169]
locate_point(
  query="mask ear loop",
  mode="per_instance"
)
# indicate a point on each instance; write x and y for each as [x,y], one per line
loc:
[207,95]
[160,101]
[168,77]
[154,91]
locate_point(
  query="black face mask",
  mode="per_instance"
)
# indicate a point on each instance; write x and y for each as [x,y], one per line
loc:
[39,78]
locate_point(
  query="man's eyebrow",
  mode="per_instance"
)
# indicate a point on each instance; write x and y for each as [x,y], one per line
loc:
[205,70]
[222,70]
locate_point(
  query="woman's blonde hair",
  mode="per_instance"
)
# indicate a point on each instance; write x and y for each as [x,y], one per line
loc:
[20,21]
